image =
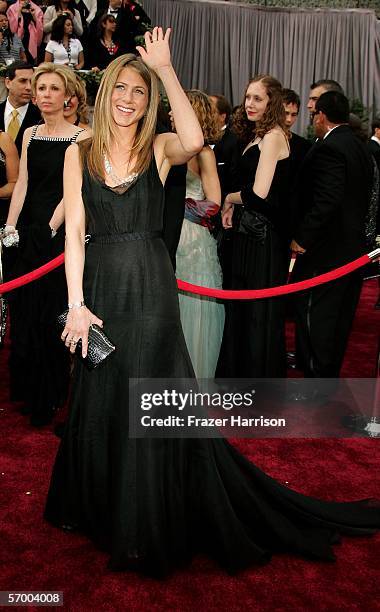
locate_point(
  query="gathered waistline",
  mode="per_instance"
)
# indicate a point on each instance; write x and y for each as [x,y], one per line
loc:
[123,237]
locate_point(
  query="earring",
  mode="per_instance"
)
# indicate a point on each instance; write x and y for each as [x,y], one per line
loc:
[66,104]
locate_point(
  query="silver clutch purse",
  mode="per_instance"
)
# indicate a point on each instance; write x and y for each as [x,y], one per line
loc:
[99,345]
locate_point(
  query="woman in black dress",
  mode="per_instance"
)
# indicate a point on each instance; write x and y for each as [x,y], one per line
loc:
[105,47]
[254,334]
[39,366]
[153,502]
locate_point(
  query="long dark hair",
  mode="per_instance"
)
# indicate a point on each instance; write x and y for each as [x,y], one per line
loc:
[58,28]
[8,36]
[99,26]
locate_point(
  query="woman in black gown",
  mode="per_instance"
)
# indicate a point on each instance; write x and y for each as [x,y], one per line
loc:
[104,47]
[39,367]
[153,502]
[254,334]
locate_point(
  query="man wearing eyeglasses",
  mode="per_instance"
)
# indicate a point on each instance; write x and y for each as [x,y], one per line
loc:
[332,197]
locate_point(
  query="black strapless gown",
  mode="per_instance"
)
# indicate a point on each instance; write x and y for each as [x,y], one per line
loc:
[153,503]
[253,344]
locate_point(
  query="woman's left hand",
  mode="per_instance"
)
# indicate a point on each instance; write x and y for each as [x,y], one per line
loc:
[227,214]
[157,52]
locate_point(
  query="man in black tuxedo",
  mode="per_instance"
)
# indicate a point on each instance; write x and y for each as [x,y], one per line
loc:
[18,82]
[332,194]
[227,150]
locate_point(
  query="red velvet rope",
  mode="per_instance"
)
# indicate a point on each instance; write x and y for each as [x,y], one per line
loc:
[31,276]
[249,294]
[255,294]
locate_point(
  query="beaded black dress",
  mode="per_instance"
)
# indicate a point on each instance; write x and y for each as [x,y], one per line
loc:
[153,503]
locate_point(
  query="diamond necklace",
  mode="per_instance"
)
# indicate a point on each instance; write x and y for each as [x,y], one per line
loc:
[117,179]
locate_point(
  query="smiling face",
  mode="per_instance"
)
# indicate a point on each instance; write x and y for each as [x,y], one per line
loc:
[129,98]
[256,101]
[50,93]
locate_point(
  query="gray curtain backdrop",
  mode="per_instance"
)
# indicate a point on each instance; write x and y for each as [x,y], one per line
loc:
[217,46]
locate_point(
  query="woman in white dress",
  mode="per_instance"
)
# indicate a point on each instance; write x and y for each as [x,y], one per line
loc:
[202,318]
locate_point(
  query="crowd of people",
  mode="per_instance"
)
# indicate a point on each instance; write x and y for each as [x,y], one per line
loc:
[82,34]
[249,193]
[217,233]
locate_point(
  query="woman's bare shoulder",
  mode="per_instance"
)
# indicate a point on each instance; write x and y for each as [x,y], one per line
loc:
[276,140]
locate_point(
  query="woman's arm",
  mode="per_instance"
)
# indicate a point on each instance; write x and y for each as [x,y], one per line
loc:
[79,318]
[21,186]
[49,57]
[58,216]
[188,141]
[92,6]
[80,63]
[209,175]
[49,16]
[16,25]
[272,149]
[38,17]
[77,23]
[11,164]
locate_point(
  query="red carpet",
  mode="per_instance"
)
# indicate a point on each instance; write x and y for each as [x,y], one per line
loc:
[35,556]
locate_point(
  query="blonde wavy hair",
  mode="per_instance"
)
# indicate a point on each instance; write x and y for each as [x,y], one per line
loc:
[104,128]
[66,75]
[81,94]
[274,113]
[206,115]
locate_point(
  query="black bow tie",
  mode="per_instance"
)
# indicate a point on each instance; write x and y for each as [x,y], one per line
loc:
[112,12]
